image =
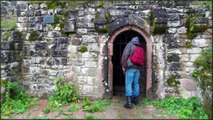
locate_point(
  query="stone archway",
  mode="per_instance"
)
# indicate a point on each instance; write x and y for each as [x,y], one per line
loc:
[148,53]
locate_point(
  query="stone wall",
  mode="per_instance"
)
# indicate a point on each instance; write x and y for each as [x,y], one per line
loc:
[73,46]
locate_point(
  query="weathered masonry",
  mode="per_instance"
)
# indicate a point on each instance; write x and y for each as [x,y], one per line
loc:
[83,43]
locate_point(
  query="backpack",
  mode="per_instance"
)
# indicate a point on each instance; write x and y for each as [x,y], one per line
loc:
[138,56]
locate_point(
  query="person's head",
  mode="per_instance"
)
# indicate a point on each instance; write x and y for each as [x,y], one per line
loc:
[136,40]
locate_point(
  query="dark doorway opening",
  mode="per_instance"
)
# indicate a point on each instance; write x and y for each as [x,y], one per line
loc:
[118,77]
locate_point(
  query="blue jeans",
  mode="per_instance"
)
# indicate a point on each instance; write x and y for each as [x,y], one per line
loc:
[132,82]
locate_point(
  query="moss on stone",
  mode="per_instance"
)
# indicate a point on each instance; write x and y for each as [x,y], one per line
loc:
[17,35]
[3,82]
[157,28]
[97,15]
[83,48]
[151,17]
[103,30]
[34,35]
[5,35]
[170,58]
[56,21]
[107,16]
[191,35]
[188,45]
[192,28]
[8,23]
[55,4]
[198,28]
[171,81]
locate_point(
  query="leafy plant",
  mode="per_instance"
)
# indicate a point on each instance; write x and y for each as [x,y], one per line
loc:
[195,73]
[17,100]
[98,106]
[63,94]
[73,108]
[180,107]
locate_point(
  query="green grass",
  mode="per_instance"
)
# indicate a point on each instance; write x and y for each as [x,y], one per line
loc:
[98,106]
[73,107]
[8,23]
[92,117]
[182,108]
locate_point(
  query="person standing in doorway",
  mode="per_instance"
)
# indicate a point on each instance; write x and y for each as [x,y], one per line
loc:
[132,60]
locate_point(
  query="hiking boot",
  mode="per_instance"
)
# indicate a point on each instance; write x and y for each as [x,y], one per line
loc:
[128,103]
[135,100]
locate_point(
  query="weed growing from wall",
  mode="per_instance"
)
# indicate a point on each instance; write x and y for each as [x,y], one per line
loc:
[63,94]
[17,100]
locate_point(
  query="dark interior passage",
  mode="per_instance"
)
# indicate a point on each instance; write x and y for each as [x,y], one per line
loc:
[118,77]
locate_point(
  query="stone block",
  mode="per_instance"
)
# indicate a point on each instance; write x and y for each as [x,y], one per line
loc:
[200,42]
[35,70]
[90,64]
[188,64]
[87,90]
[81,31]
[174,23]
[188,84]
[193,57]
[76,69]
[172,30]
[76,42]
[189,69]
[93,71]
[22,19]
[175,66]
[59,53]
[85,71]
[40,45]
[6,45]
[82,80]
[89,11]
[5,56]
[194,50]
[91,80]
[43,5]
[64,61]
[182,30]
[89,39]
[69,26]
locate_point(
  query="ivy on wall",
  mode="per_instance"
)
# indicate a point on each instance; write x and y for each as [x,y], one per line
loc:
[203,73]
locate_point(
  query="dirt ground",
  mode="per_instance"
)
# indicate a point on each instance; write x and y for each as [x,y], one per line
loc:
[113,111]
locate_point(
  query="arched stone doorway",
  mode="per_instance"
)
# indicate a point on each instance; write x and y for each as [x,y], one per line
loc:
[113,41]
